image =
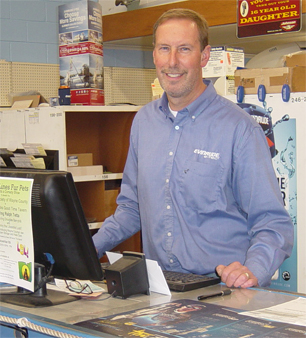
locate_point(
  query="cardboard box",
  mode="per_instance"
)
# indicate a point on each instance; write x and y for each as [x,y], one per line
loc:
[77,160]
[297,59]
[272,78]
[81,52]
[64,96]
[91,170]
[223,61]
[91,97]
[27,101]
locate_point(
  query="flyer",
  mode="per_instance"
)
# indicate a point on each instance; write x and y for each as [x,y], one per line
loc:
[16,238]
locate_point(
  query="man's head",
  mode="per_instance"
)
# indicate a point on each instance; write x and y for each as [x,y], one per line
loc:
[188,14]
[180,52]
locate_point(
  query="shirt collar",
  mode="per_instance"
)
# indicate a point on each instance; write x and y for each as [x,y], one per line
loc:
[196,107]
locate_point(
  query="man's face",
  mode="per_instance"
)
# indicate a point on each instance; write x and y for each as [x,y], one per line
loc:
[178,58]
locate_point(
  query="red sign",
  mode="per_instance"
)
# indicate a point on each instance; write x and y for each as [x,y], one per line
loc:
[80,48]
[262,17]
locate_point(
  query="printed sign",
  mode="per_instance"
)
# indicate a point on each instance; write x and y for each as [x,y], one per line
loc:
[262,17]
[16,244]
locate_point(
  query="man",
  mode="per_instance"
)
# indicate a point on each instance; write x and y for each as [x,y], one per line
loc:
[198,180]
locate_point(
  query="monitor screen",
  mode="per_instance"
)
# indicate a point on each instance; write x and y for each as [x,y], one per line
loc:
[59,228]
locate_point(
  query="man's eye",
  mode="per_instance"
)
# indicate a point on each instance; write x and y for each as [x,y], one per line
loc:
[184,49]
[164,49]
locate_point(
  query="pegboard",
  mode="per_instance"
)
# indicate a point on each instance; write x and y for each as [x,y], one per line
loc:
[121,85]
[43,78]
[19,77]
[128,85]
[5,82]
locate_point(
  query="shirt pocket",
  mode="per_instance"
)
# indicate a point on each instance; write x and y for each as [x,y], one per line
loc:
[200,184]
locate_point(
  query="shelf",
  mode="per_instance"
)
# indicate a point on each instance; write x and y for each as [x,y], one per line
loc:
[87,178]
[103,177]
[112,176]
[101,109]
[221,12]
[221,17]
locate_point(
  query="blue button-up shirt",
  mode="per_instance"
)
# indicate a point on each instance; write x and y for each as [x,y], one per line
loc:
[202,188]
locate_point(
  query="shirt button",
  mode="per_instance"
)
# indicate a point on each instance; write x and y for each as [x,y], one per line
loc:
[193,117]
[169,234]
[167,180]
[171,261]
[168,207]
[171,153]
[177,127]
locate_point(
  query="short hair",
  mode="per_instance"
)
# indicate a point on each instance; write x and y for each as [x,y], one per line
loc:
[181,13]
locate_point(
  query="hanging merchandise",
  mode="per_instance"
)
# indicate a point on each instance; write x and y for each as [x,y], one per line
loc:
[261,93]
[240,94]
[286,92]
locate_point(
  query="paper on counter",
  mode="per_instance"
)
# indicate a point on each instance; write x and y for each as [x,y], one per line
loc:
[293,312]
[156,278]
[157,281]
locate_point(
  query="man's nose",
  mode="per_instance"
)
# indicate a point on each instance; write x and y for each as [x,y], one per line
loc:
[173,58]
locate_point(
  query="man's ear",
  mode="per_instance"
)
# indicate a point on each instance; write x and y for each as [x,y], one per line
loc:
[153,56]
[205,56]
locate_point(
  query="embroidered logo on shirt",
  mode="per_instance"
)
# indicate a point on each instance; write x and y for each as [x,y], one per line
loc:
[207,154]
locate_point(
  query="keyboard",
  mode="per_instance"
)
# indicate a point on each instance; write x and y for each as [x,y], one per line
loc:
[180,281]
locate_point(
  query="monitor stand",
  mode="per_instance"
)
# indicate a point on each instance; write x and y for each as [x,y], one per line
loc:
[52,297]
[41,297]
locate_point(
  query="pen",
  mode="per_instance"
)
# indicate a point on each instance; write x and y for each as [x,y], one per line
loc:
[221,293]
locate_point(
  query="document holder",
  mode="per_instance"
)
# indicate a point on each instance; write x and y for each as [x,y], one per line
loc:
[128,275]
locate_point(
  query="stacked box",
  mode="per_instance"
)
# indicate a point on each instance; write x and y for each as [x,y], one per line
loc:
[272,78]
[220,69]
[81,52]
[79,160]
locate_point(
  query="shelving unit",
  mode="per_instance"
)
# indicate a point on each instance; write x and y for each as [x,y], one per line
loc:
[104,132]
[101,130]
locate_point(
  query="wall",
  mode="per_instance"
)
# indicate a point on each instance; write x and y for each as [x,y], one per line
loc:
[29,33]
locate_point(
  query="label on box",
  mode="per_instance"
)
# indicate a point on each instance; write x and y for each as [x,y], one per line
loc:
[223,61]
[87,96]
[73,161]
[81,48]
[80,15]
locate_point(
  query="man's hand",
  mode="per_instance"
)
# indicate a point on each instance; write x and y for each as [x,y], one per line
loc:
[236,275]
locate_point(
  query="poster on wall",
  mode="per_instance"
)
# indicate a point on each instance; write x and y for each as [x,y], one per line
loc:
[282,124]
[262,17]
[16,244]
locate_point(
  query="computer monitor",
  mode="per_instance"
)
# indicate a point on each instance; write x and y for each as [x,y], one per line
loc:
[60,229]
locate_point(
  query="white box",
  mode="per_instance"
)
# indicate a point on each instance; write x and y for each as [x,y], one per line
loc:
[223,61]
[88,170]
[224,85]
